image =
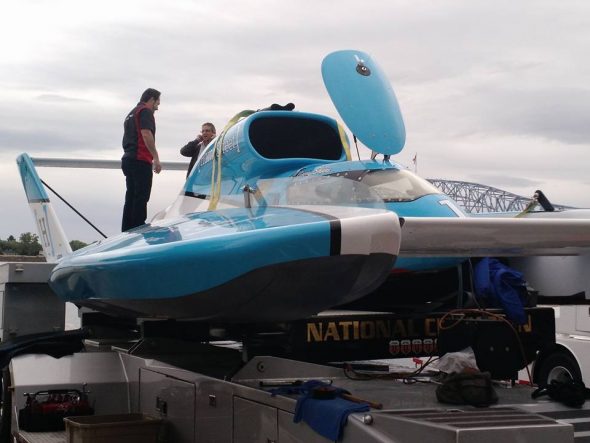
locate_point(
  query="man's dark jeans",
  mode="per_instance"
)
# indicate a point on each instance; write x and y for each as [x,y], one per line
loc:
[138,178]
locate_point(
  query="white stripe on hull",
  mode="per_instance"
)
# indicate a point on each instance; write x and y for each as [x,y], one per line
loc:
[363,230]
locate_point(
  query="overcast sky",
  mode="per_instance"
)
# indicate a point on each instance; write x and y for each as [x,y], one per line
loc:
[492,92]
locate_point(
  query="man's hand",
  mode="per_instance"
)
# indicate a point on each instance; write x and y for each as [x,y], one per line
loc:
[199,138]
[157,166]
[150,144]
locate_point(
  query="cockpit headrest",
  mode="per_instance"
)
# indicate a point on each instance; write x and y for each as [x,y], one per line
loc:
[277,107]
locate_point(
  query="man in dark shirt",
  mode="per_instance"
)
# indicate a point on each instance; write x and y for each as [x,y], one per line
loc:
[139,144]
[194,147]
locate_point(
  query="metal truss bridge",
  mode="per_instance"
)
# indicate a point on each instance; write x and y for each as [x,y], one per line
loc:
[477,198]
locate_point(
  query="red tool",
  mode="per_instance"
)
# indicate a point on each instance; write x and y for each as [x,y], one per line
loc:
[328,392]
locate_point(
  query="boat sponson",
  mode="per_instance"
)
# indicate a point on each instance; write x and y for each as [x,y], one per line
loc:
[280,292]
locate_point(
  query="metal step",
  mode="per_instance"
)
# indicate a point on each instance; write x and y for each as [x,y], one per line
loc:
[490,425]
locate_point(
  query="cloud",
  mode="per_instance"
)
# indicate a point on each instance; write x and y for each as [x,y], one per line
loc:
[59,98]
[489,91]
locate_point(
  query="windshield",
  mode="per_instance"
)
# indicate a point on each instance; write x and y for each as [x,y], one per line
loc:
[392,185]
[307,190]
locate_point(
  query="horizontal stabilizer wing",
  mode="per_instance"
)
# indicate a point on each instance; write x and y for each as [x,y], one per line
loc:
[481,237]
[97,163]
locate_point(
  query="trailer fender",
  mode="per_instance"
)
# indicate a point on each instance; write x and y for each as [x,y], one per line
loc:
[558,363]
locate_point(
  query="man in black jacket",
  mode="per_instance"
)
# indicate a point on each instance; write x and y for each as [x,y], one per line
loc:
[193,148]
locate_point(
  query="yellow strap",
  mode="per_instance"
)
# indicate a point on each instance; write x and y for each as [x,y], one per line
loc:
[217,154]
[529,207]
[344,141]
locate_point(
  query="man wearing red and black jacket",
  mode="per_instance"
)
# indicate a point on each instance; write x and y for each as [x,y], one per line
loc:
[139,144]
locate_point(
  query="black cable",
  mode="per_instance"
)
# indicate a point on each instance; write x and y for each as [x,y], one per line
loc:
[406,376]
[73,209]
[357,146]
[471,285]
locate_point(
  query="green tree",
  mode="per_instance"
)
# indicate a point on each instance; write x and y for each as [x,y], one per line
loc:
[8,246]
[28,244]
[77,244]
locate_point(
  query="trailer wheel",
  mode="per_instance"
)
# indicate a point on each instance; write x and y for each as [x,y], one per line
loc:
[558,366]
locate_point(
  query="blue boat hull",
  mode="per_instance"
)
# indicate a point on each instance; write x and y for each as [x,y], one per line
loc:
[276,263]
[282,292]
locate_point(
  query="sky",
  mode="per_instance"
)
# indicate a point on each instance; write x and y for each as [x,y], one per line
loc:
[496,93]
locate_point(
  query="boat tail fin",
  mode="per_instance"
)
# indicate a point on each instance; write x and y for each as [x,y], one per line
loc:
[51,234]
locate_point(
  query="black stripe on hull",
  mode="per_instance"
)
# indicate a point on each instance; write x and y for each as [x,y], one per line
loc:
[335,229]
[192,194]
[335,237]
[283,292]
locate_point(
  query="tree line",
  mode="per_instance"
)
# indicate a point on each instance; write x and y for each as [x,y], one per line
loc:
[28,244]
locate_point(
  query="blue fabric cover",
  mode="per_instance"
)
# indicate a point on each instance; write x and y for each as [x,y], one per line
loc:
[502,287]
[328,416]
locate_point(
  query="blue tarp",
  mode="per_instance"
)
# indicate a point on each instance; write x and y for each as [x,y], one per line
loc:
[502,287]
[326,416]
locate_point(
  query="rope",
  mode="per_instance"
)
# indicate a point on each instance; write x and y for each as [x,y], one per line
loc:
[479,312]
[410,377]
